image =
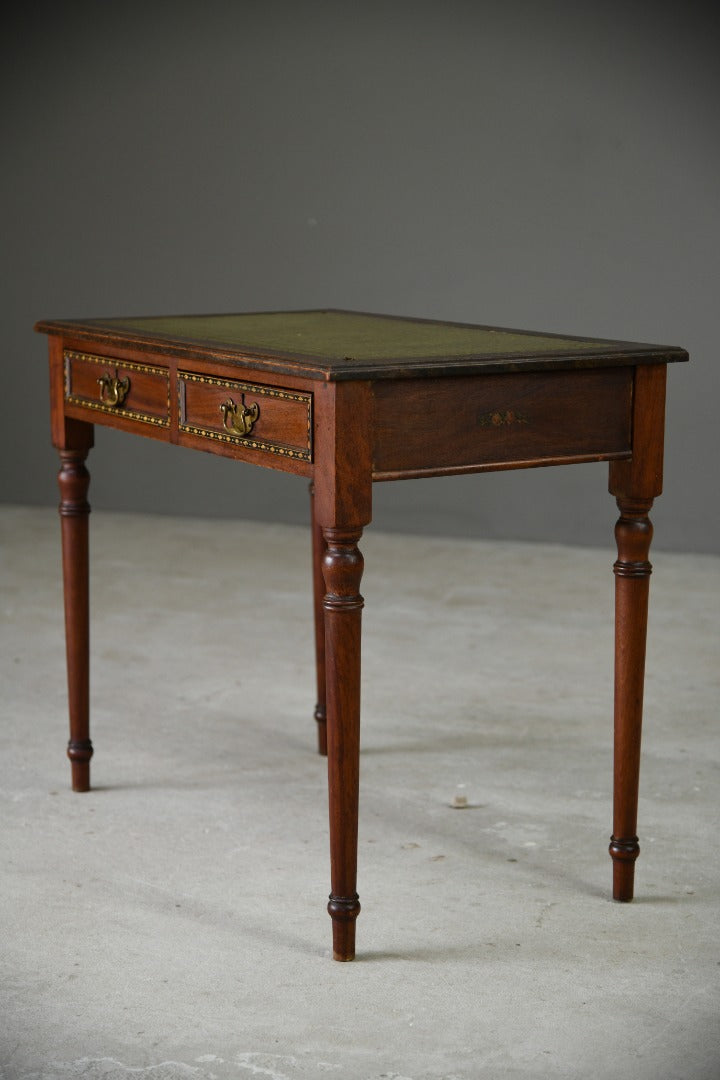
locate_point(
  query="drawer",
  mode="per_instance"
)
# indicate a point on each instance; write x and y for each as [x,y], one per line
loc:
[121,388]
[269,419]
[432,427]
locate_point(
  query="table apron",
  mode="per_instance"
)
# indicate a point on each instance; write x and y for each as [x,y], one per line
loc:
[471,424]
[207,408]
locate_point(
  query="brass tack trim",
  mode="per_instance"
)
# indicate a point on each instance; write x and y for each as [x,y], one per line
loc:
[128,365]
[254,389]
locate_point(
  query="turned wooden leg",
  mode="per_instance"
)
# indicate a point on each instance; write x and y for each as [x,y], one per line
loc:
[318,552]
[632,579]
[342,569]
[73,480]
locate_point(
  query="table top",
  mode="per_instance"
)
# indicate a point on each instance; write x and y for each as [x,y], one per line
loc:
[340,345]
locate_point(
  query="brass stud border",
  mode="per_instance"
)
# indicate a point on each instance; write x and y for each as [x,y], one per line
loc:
[240,440]
[127,365]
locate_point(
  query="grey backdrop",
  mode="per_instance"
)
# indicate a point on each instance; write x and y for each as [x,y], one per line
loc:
[544,165]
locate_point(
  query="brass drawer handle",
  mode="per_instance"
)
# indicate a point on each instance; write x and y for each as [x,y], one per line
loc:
[239,419]
[113,390]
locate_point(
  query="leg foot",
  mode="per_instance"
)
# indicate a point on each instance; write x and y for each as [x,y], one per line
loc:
[343,911]
[80,752]
[624,853]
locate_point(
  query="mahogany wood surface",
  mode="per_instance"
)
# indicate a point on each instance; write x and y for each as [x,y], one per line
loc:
[342,569]
[348,399]
[73,481]
[464,424]
[148,394]
[635,484]
[284,421]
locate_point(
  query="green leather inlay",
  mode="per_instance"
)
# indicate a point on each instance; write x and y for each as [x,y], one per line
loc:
[334,335]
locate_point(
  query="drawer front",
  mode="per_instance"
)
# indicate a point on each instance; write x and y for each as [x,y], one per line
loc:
[425,427]
[121,388]
[269,419]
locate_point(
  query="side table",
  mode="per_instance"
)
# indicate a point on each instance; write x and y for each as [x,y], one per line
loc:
[345,399]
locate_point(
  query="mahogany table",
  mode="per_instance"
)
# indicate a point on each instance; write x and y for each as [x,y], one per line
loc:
[345,399]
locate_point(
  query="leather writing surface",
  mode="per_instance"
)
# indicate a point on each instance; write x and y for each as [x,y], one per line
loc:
[336,334]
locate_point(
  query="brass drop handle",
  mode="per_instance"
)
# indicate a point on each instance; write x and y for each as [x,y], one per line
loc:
[239,419]
[113,390]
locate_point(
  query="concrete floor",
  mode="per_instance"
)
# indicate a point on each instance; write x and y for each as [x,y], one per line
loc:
[171,923]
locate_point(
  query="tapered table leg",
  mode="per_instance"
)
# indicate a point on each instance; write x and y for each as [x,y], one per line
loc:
[342,569]
[632,579]
[73,481]
[318,552]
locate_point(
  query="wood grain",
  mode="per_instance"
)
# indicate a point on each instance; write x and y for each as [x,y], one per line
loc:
[635,483]
[436,427]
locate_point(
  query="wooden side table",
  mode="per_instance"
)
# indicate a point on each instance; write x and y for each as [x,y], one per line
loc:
[345,399]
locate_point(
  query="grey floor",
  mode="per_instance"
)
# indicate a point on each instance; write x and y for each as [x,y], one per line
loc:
[171,923]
